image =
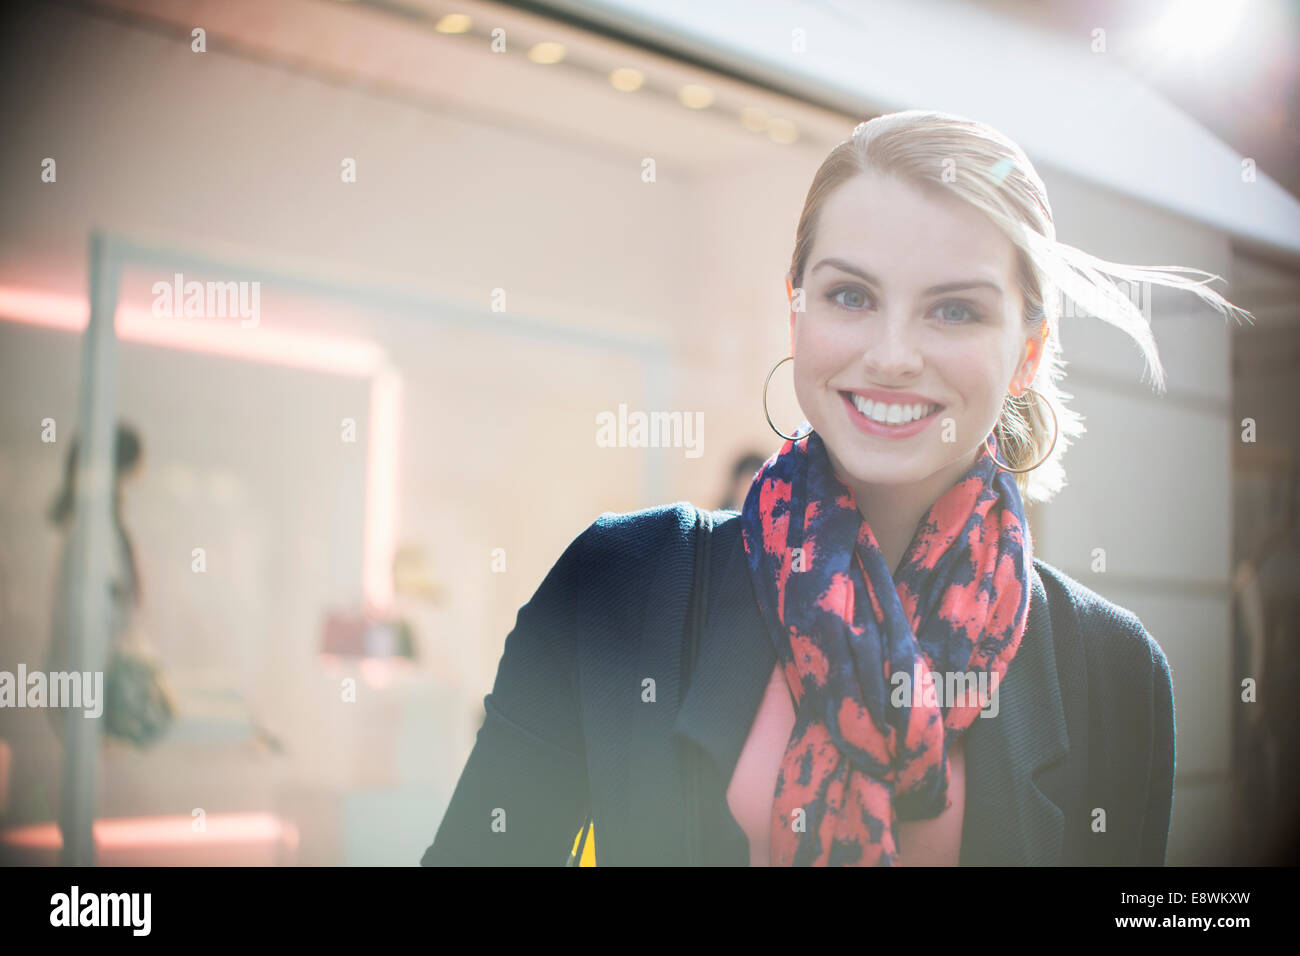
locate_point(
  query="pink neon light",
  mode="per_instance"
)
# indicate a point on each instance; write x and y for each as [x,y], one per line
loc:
[227,839]
[44,308]
[286,347]
[164,831]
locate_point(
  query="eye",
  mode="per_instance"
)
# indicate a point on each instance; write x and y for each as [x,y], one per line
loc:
[964,312]
[852,290]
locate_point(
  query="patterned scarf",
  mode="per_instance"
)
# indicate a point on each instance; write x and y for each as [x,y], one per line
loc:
[867,751]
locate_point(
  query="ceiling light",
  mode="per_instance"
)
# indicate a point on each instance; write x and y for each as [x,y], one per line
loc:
[546,52]
[454,23]
[626,80]
[694,96]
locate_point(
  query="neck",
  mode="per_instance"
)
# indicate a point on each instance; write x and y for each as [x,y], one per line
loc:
[893,512]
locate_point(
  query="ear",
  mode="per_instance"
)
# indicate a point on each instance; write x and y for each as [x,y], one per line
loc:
[1035,346]
[789,296]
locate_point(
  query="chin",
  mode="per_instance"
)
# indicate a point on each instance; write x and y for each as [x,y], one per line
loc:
[887,477]
[867,462]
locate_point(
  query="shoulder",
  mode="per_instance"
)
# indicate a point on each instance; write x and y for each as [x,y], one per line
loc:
[639,534]
[1112,638]
[620,544]
[656,523]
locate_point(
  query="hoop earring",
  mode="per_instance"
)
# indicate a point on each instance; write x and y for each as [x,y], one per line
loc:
[1056,430]
[788,358]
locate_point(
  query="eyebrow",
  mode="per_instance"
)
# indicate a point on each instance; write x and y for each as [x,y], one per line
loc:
[848,267]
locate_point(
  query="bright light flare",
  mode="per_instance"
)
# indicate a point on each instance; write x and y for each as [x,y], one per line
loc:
[1198,27]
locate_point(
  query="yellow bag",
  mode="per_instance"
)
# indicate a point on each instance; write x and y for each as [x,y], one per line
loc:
[589,850]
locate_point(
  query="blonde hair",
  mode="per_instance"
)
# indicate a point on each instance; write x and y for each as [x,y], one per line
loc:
[941,152]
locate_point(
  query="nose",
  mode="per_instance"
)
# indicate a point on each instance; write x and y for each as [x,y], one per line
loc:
[891,350]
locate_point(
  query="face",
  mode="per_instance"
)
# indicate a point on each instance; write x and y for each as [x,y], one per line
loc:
[912,312]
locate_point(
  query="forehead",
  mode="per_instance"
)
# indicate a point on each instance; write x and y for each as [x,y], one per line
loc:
[906,235]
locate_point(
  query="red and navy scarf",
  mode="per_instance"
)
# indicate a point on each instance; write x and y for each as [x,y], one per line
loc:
[858,760]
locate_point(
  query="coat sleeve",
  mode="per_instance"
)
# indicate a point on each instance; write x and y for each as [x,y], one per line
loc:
[1160,780]
[522,795]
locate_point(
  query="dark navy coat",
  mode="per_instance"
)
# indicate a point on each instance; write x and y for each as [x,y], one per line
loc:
[1085,720]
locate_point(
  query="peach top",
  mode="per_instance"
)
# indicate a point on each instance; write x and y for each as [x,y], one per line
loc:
[751,793]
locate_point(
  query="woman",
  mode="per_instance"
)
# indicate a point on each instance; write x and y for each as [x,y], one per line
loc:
[885,673]
[137,708]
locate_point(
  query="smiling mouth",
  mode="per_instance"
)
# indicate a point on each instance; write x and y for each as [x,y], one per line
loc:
[884,413]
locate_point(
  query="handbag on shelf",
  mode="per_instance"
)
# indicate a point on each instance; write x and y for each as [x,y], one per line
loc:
[690,650]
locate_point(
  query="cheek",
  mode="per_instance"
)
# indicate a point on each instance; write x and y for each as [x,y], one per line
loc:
[976,375]
[821,353]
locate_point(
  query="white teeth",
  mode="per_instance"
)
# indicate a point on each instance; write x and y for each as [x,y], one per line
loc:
[892,414]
